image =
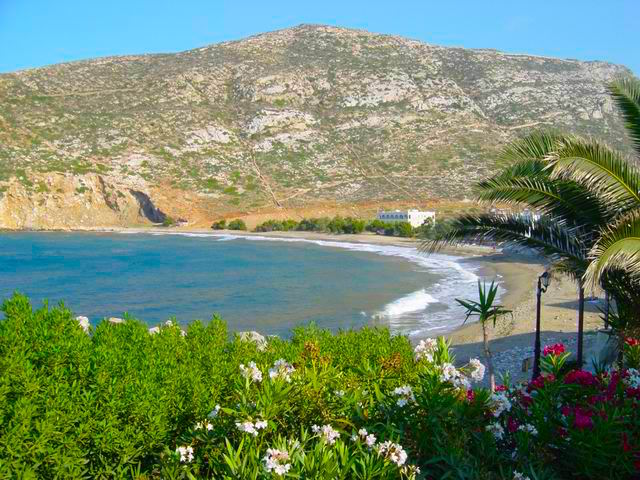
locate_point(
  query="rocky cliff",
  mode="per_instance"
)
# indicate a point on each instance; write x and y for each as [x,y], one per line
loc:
[284,119]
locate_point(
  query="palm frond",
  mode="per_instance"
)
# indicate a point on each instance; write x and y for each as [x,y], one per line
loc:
[547,236]
[617,249]
[626,94]
[564,199]
[535,146]
[599,169]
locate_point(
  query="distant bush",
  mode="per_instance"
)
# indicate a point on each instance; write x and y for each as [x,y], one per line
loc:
[314,224]
[434,229]
[120,402]
[350,225]
[336,224]
[237,224]
[168,222]
[277,226]
[404,229]
[219,225]
[376,226]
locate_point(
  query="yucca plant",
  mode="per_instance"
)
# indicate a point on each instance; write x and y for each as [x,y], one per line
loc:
[486,311]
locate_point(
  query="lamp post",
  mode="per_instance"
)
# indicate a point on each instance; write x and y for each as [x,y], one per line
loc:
[543,284]
[606,309]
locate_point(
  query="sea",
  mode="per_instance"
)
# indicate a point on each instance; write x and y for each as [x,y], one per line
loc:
[253,283]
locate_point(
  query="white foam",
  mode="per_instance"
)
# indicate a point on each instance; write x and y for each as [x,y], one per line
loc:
[460,281]
[414,302]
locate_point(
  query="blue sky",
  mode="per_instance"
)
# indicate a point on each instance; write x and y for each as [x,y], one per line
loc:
[41,32]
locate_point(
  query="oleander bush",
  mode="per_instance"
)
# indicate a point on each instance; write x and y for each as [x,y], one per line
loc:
[120,402]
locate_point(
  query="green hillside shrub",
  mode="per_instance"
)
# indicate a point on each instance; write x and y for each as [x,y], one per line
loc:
[237,224]
[219,224]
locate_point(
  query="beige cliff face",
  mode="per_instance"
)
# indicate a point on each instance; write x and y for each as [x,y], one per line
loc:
[293,118]
[62,201]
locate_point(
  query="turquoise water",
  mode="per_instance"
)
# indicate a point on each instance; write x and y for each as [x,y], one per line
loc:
[253,284]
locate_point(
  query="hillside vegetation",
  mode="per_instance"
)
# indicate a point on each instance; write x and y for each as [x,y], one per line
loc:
[284,119]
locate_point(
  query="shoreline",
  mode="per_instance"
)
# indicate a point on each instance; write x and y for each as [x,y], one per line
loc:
[511,340]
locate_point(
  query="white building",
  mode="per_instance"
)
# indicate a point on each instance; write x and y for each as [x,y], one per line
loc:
[414,217]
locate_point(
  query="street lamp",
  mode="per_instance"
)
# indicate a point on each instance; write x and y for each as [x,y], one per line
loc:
[543,284]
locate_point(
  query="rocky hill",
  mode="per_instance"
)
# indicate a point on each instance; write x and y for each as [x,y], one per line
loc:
[288,119]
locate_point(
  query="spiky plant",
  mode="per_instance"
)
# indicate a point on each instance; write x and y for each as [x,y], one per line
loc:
[486,311]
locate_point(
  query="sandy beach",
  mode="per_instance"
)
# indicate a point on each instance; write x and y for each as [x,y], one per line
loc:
[513,336]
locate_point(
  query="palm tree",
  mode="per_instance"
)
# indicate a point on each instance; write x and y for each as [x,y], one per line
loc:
[485,310]
[616,180]
[589,197]
[563,234]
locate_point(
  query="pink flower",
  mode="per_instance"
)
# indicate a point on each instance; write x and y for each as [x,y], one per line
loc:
[582,419]
[580,377]
[540,382]
[633,393]
[556,349]
[512,425]
[632,342]
[526,400]
[470,395]
[501,388]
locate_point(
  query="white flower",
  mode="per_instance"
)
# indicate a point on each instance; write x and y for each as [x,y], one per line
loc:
[528,428]
[327,433]
[425,349]
[250,427]
[633,380]
[519,476]
[276,461]
[339,393]
[452,375]
[406,395]
[252,372]
[260,424]
[500,403]
[369,439]
[393,452]
[496,429]
[281,370]
[186,454]
[477,370]
[205,424]
[410,471]
[168,323]
[214,413]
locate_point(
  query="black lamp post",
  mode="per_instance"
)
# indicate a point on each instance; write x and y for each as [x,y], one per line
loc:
[606,309]
[543,283]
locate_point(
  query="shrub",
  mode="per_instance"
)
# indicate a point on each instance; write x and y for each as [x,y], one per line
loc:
[376,226]
[336,225]
[120,402]
[219,225]
[168,222]
[392,229]
[403,229]
[237,224]
[313,224]
[277,226]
